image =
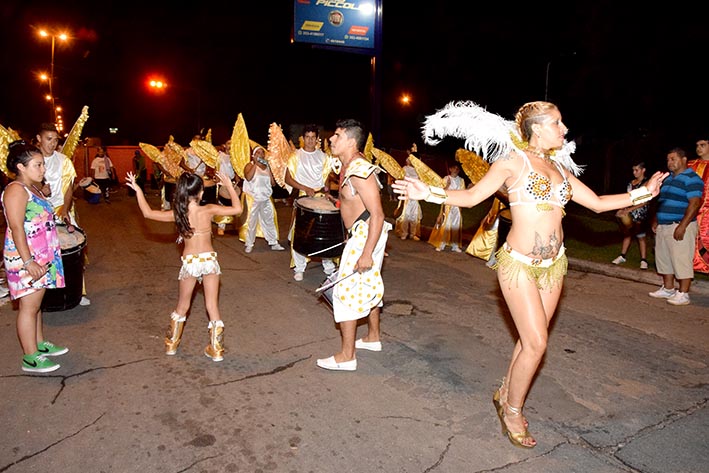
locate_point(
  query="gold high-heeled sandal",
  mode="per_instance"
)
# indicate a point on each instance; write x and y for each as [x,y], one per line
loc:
[497,402]
[516,438]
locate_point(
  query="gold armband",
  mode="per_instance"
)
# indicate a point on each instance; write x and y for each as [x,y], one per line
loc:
[436,195]
[640,195]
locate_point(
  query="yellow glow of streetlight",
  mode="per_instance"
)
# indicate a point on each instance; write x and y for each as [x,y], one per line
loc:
[406,99]
[63,37]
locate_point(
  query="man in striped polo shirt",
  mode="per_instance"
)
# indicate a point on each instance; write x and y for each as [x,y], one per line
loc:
[675,226]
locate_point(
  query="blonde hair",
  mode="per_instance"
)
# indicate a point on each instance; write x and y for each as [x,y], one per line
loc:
[530,114]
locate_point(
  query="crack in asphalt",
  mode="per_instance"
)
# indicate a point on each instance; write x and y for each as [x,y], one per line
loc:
[197,462]
[442,456]
[31,455]
[275,370]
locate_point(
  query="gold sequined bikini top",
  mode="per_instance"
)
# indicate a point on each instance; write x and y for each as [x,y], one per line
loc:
[532,188]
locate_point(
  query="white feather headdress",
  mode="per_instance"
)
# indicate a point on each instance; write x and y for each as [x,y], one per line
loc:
[485,133]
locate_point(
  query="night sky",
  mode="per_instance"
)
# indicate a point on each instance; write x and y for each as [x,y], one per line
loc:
[625,75]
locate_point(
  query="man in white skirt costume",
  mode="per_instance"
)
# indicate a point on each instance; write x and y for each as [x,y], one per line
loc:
[359,295]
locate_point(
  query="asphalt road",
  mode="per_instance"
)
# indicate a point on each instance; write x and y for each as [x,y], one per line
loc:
[623,387]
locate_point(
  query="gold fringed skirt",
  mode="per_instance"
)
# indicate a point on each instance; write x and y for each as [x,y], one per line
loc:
[545,273]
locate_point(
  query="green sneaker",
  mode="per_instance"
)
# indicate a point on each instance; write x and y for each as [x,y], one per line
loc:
[38,363]
[47,348]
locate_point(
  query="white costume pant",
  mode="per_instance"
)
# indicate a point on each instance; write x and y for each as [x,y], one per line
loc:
[262,213]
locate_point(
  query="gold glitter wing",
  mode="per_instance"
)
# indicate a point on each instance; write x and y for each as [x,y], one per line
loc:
[388,162]
[473,165]
[279,152]
[72,139]
[206,152]
[151,152]
[368,148]
[7,136]
[426,174]
[173,155]
[239,151]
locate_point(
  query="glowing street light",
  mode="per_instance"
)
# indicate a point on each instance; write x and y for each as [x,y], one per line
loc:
[62,37]
[159,85]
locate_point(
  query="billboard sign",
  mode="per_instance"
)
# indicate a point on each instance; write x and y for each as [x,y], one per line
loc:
[336,23]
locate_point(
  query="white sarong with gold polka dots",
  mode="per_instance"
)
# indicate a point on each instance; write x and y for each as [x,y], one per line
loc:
[354,297]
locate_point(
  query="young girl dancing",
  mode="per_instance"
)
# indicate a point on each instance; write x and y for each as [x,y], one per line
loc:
[199,260]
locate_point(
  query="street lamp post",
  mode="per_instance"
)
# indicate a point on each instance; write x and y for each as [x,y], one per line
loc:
[63,37]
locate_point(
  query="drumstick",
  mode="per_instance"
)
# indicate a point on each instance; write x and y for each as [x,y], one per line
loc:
[325,249]
[334,283]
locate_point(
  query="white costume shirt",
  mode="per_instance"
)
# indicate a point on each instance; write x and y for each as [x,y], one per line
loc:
[310,168]
[54,166]
[259,187]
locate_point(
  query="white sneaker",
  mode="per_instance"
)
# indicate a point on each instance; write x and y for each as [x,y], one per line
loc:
[455,249]
[662,293]
[643,264]
[298,276]
[249,248]
[85,301]
[4,292]
[438,248]
[619,260]
[678,298]
[277,247]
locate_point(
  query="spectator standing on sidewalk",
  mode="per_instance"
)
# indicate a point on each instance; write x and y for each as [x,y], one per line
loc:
[633,220]
[675,227]
[102,168]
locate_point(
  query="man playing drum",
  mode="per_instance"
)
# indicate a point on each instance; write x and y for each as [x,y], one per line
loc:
[362,214]
[308,172]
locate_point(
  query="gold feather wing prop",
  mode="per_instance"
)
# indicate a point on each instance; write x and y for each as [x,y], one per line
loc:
[151,152]
[473,165]
[206,152]
[240,150]
[426,174]
[389,164]
[173,155]
[368,148]
[7,136]
[208,136]
[72,139]
[279,152]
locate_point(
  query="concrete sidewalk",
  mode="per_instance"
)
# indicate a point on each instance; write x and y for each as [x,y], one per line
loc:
[623,386]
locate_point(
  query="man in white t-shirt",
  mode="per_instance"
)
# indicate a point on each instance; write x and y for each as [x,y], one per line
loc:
[308,173]
[101,167]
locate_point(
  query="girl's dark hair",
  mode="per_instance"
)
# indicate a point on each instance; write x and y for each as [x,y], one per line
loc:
[188,187]
[19,152]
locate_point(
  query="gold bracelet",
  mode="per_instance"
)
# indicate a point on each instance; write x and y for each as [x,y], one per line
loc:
[436,195]
[640,195]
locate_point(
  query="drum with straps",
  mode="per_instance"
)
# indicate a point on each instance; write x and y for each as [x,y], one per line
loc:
[319,230]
